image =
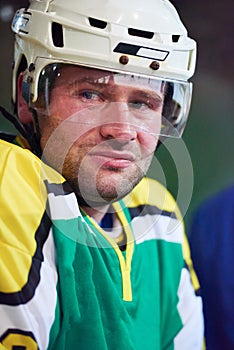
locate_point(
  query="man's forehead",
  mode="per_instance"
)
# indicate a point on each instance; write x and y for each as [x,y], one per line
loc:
[98,76]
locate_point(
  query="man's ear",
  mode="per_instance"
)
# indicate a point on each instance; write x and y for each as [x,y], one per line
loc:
[24,113]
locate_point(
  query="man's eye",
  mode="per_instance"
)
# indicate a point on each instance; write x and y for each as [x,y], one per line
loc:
[86,95]
[143,105]
[90,95]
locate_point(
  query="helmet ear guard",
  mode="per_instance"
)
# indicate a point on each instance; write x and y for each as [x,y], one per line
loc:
[171,107]
[26,92]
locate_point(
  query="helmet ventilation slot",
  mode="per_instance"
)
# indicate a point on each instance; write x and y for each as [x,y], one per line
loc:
[94,22]
[57,34]
[140,33]
[175,38]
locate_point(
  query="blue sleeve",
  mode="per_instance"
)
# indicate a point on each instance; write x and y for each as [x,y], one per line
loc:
[212,247]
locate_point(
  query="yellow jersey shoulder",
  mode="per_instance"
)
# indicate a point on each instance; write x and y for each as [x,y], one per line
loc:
[23,199]
[151,192]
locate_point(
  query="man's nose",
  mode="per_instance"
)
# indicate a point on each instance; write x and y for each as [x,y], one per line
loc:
[118,122]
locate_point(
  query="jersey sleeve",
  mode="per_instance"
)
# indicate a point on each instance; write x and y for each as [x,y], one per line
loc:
[26,243]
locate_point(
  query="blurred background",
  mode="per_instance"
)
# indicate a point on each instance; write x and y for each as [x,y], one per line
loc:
[209,135]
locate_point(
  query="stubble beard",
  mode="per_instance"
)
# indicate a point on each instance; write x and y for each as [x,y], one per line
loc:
[95,188]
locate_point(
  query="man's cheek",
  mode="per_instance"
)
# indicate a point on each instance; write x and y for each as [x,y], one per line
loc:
[148,143]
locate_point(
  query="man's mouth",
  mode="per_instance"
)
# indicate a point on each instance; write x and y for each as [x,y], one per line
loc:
[113,159]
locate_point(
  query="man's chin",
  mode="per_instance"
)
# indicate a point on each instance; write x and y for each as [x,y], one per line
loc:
[104,188]
[102,200]
[103,197]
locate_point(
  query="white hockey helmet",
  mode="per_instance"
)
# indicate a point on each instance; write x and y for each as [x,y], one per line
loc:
[144,38]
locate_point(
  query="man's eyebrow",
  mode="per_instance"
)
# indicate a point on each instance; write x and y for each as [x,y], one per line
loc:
[146,94]
[80,81]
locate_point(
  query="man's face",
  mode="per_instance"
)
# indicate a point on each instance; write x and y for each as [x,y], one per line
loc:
[100,131]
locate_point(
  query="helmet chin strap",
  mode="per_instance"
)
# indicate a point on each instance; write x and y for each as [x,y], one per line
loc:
[36,133]
[30,132]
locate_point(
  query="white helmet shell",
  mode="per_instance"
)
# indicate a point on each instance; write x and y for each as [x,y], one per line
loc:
[135,36]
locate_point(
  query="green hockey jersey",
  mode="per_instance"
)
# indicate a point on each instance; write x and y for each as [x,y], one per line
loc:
[65,283]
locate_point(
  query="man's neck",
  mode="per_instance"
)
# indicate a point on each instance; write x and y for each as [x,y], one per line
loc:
[97,213]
